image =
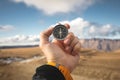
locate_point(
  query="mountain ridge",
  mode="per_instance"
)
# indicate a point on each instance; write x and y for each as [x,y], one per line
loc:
[101,44]
[93,43]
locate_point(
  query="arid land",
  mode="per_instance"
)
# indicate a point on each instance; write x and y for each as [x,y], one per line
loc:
[93,64]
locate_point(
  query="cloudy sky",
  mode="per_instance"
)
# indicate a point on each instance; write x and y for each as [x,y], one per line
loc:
[21,21]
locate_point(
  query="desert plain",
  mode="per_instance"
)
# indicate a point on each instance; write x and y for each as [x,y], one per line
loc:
[21,63]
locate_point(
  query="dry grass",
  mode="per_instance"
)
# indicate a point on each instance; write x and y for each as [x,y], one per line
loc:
[20,52]
[99,65]
[93,65]
[18,70]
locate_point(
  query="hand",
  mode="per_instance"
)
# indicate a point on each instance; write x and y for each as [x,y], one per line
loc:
[65,52]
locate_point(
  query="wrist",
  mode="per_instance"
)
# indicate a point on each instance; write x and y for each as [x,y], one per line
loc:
[63,69]
[62,62]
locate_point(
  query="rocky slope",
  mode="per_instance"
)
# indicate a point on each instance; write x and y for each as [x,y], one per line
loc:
[101,44]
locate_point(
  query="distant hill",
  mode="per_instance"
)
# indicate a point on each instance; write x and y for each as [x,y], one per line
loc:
[17,46]
[101,44]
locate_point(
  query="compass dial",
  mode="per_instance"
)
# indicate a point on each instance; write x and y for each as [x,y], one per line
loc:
[60,32]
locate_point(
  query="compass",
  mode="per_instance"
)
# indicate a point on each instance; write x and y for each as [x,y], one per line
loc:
[60,32]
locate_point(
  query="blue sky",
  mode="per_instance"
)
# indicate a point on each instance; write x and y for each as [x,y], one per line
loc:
[27,18]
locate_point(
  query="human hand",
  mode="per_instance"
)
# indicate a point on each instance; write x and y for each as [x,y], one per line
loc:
[64,52]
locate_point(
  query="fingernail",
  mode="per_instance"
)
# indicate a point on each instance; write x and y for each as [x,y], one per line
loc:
[67,25]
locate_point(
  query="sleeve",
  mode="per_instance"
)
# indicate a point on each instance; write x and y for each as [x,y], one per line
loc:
[48,72]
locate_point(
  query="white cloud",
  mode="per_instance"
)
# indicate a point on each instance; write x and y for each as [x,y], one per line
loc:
[77,25]
[6,27]
[86,29]
[20,40]
[23,38]
[57,6]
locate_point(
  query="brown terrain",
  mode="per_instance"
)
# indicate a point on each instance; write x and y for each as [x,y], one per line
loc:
[20,64]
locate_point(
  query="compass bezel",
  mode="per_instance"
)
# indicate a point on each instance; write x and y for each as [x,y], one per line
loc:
[57,26]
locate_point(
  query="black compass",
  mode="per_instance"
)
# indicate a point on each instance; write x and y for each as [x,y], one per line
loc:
[60,32]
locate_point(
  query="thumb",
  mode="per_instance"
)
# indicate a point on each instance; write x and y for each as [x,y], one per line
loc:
[44,36]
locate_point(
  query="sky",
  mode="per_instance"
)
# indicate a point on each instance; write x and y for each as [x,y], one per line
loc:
[21,21]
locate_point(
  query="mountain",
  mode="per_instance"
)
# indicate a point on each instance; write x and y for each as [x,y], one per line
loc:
[101,44]
[94,43]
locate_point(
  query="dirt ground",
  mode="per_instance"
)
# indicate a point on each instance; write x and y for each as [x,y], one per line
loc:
[93,65]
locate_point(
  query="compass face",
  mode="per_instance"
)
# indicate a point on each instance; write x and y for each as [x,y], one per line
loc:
[60,32]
